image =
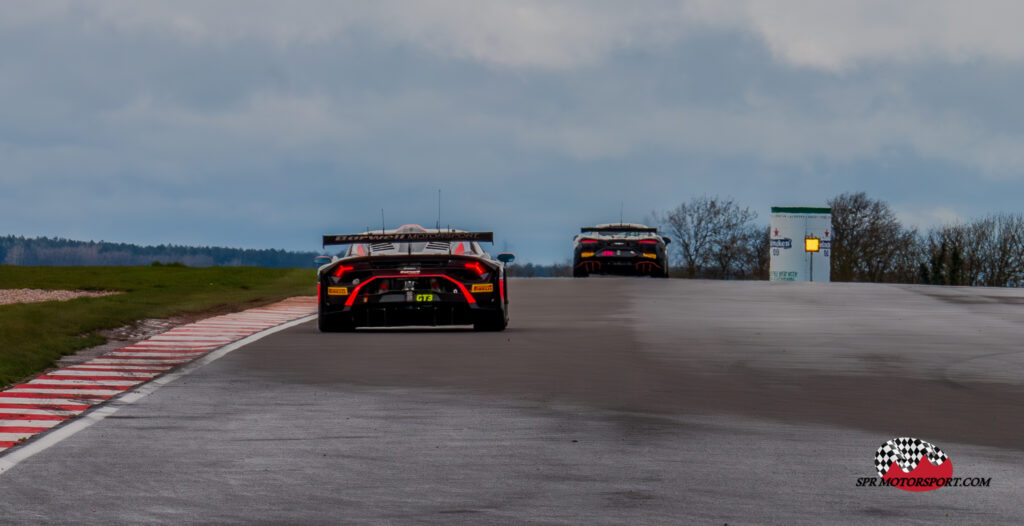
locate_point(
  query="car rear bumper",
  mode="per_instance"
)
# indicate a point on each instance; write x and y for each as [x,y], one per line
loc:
[406,314]
[624,266]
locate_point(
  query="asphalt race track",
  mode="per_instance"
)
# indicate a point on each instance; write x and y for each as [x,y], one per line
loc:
[617,401]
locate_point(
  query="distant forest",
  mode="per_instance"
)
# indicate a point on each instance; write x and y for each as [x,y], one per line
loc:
[66,252]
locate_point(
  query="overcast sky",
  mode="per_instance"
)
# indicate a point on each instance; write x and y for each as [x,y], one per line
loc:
[264,124]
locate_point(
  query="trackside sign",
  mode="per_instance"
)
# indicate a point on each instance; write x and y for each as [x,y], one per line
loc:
[794,263]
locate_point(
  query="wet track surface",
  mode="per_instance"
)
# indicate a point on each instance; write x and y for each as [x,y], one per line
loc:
[606,401]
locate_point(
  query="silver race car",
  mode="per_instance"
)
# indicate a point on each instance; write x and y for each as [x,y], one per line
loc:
[620,248]
[413,276]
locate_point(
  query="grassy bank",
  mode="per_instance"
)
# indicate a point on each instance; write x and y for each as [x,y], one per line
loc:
[34,335]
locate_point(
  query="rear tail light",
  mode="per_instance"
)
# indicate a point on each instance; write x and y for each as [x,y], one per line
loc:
[648,242]
[607,253]
[588,241]
[383,286]
[341,269]
[476,267]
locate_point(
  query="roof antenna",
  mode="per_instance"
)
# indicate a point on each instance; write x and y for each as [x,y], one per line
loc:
[381,220]
[438,226]
[620,211]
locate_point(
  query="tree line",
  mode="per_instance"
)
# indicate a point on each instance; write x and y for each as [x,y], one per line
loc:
[65,252]
[715,237]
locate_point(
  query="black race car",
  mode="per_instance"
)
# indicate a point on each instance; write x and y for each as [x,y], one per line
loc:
[621,248]
[413,276]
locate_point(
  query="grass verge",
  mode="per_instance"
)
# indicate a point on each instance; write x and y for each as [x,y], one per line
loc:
[34,335]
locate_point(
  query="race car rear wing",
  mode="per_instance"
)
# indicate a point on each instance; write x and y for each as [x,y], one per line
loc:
[410,237]
[618,228]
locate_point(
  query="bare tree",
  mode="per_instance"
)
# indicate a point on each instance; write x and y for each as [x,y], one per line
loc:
[867,238]
[758,256]
[709,233]
[906,262]
[945,262]
[987,251]
[1002,257]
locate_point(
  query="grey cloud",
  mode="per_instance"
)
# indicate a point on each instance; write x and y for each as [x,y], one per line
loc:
[171,122]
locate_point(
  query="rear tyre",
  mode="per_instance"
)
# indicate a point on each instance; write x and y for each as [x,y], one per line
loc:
[578,272]
[490,321]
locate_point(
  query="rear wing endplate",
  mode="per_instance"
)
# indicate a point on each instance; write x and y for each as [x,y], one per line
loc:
[618,228]
[410,237]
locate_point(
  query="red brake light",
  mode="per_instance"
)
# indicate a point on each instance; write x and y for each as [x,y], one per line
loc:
[648,242]
[383,286]
[607,253]
[476,267]
[341,269]
[588,241]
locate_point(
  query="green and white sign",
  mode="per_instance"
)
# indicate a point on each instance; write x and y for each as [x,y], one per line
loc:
[790,228]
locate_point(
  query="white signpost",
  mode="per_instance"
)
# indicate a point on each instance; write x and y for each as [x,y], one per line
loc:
[799,235]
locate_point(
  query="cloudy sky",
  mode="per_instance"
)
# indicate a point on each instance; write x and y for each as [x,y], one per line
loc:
[264,124]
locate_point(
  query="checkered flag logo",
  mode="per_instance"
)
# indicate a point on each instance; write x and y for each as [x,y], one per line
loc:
[907,453]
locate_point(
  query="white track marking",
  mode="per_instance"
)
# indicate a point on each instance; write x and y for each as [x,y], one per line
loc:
[157,353]
[126,368]
[84,392]
[167,336]
[198,329]
[29,423]
[13,437]
[151,350]
[50,401]
[173,345]
[32,411]
[158,361]
[112,374]
[84,382]
[186,341]
[179,343]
